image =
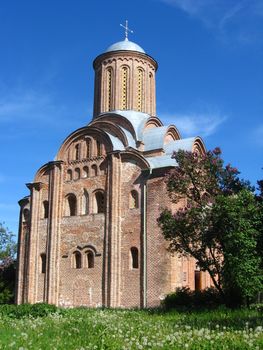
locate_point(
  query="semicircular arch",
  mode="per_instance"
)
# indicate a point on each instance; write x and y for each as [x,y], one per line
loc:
[172,134]
[81,134]
[199,146]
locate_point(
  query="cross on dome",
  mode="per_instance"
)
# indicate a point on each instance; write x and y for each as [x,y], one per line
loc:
[127,29]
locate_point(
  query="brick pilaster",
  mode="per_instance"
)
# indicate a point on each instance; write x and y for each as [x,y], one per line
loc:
[53,234]
[32,260]
[114,230]
[21,254]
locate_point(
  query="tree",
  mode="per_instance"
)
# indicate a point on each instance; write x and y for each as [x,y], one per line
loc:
[260,189]
[7,244]
[259,198]
[217,223]
[235,222]
[7,265]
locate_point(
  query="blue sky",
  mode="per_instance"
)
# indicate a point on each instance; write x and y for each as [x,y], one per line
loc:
[209,82]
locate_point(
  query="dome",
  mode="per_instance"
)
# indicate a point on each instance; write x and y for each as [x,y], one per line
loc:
[125,45]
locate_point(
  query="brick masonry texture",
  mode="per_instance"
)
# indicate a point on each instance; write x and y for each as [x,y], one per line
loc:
[88,233]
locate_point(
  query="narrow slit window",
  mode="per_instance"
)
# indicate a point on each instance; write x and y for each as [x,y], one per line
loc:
[88,148]
[99,203]
[134,258]
[139,89]
[71,205]
[134,200]
[69,175]
[99,148]
[94,169]
[85,171]
[77,152]
[85,203]
[43,259]
[109,89]
[90,259]
[45,209]
[26,215]
[151,91]
[77,260]
[77,173]
[124,88]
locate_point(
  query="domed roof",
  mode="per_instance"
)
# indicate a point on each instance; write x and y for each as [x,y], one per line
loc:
[125,45]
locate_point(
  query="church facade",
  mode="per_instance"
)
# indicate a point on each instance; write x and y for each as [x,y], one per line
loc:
[88,232]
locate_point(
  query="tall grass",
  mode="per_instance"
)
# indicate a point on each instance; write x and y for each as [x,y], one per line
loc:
[139,329]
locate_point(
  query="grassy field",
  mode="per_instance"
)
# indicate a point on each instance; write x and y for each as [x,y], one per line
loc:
[121,329]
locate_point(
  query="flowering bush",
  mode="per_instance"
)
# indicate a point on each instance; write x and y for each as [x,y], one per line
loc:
[218,223]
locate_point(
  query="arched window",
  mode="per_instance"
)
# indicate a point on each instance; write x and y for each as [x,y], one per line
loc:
[102,168]
[108,89]
[124,87]
[43,261]
[88,148]
[26,215]
[77,173]
[77,151]
[139,89]
[99,148]
[85,203]
[94,169]
[85,172]
[69,175]
[77,260]
[151,91]
[71,205]
[134,258]
[90,259]
[99,205]
[45,209]
[134,200]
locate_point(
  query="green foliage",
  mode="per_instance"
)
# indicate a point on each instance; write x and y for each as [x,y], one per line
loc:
[235,222]
[25,310]
[186,299]
[141,329]
[257,307]
[7,244]
[7,265]
[219,223]
[7,283]
[259,198]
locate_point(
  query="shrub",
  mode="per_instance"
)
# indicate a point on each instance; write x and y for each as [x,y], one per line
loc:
[181,298]
[257,307]
[185,299]
[24,310]
[7,282]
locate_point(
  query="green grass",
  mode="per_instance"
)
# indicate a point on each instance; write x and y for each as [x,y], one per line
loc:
[122,329]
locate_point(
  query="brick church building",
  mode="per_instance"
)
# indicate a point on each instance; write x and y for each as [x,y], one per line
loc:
[88,231]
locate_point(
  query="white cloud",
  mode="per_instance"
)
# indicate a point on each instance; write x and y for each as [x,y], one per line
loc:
[192,7]
[23,105]
[230,13]
[231,19]
[19,105]
[196,124]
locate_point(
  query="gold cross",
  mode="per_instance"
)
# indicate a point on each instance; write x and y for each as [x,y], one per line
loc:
[127,29]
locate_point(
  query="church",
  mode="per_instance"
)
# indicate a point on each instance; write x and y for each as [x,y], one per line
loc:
[88,232]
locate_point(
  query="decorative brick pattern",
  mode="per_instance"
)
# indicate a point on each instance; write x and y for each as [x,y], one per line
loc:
[92,213]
